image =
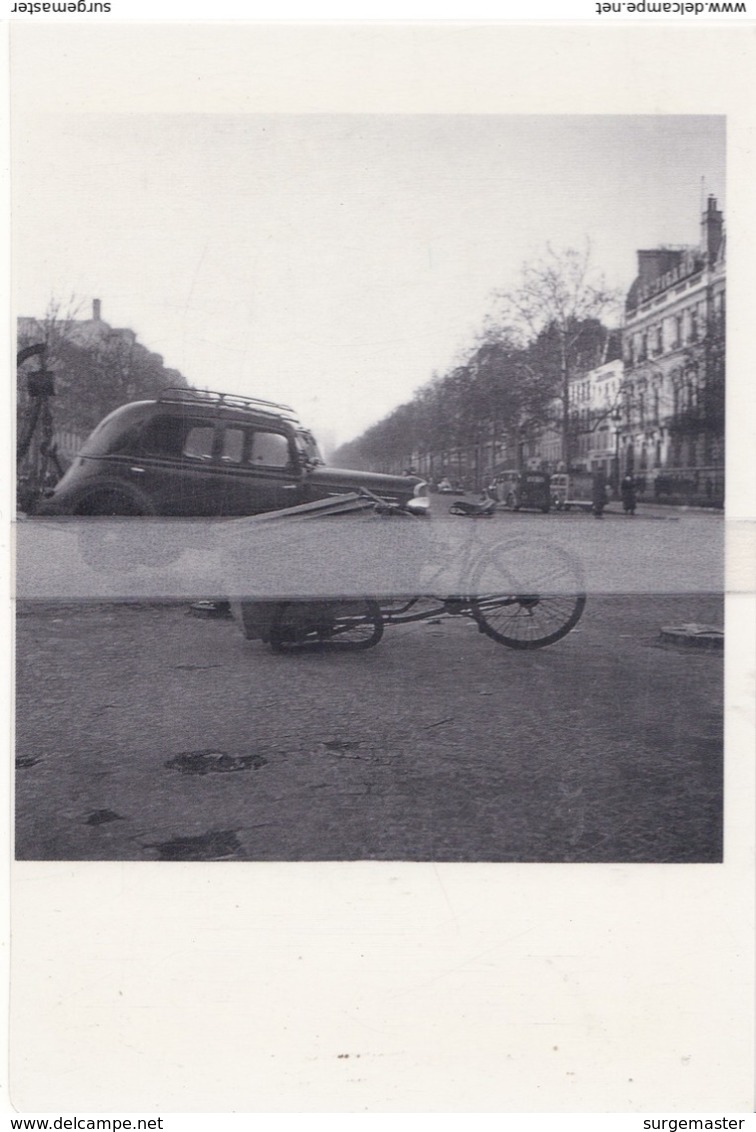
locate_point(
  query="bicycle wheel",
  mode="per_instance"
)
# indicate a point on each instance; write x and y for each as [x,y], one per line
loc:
[531,601]
[346,625]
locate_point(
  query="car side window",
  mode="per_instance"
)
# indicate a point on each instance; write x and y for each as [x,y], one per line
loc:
[163,436]
[199,442]
[269,450]
[232,446]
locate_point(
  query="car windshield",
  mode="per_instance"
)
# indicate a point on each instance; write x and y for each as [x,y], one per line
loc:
[307,446]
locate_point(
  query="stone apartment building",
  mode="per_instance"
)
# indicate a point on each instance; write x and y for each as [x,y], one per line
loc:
[658,411]
[596,401]
[595,418]
[674,365]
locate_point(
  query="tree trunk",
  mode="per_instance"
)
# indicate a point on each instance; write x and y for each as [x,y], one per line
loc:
[565,409]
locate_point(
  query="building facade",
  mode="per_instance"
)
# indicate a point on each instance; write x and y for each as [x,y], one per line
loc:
[595,425]
[596,400]
[658,411]
[674,366]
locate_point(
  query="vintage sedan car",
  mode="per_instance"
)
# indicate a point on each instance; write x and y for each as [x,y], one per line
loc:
[575,490]
[197,453]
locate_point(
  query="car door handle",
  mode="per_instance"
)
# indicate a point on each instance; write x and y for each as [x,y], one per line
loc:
[137,471]
[290,486]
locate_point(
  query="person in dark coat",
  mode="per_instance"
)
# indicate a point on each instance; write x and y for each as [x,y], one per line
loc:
[627,491]
[599,494]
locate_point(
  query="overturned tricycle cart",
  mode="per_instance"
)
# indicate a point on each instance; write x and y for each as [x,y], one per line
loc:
[335,574]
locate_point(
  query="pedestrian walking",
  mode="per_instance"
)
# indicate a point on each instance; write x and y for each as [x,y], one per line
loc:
[599,494]
[627,491]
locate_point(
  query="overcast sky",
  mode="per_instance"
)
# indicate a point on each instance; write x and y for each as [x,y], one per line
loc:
[336,261]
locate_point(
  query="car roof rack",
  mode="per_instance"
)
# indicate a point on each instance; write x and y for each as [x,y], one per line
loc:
[227,400]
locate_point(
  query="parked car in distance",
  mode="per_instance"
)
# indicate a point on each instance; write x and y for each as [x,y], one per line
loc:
[200,453]
[573,490]
[524,490]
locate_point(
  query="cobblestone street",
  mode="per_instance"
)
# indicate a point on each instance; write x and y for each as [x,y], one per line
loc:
[144,733]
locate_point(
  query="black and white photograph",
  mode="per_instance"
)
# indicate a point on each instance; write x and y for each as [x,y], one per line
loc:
[502,329]
[371,469]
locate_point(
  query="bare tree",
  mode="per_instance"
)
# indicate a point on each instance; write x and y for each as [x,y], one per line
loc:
[96,368]
[504,389]
[558,305]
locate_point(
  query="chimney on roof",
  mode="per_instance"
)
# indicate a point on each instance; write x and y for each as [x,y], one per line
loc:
[96,309]
[655,263]
[711,229]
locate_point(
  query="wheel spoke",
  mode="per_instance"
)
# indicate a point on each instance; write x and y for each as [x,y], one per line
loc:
[532,613]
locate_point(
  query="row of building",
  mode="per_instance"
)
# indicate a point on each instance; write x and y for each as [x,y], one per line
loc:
[656,409]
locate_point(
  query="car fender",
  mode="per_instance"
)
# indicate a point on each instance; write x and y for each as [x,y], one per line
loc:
[114,485]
